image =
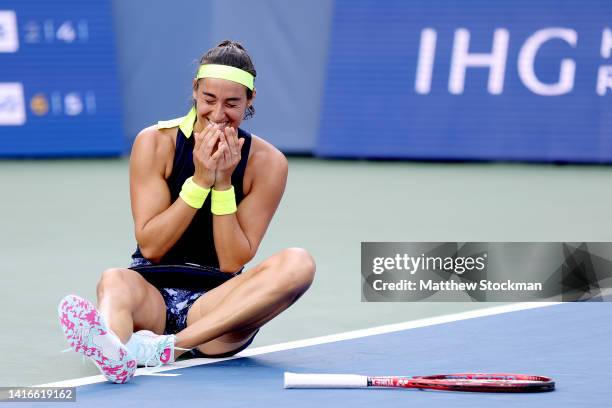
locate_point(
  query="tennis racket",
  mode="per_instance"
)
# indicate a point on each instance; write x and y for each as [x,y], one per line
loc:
[448,382]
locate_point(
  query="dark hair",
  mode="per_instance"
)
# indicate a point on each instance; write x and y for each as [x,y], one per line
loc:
[232,53]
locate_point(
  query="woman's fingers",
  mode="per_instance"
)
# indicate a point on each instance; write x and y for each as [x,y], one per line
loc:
[199,136]
[221,148]
[232,140]
[225,153]
[223,140]
[210,144]
[219,154]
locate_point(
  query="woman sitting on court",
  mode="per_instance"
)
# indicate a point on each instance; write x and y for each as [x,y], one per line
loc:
[203,192]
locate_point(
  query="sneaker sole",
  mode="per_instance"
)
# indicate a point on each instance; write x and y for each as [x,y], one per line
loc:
[81,322]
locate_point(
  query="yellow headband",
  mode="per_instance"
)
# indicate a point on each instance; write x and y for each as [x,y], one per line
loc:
[209,71]
[226,72]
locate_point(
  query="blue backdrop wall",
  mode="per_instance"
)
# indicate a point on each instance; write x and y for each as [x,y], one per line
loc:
[159,47]
[436,79]
[59,90]
[472,79]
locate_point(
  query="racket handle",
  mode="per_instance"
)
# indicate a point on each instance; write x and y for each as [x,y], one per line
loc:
[295,380]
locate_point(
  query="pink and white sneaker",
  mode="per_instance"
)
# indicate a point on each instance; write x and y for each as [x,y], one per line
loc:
[88,334]
[152,350]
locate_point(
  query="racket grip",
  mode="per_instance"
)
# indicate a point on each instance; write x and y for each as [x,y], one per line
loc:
[295,380]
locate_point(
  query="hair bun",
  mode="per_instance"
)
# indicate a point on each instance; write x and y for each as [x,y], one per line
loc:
[231,43]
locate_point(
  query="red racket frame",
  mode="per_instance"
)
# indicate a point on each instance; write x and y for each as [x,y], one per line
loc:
[470,382]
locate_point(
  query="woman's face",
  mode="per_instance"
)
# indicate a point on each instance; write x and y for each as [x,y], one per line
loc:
[220,102]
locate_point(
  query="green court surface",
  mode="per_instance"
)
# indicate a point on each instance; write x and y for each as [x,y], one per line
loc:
[64,222]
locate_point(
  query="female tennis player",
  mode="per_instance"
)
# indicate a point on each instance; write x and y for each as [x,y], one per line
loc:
[203,192]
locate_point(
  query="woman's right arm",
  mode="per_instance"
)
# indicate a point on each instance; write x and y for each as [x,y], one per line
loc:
[158,222]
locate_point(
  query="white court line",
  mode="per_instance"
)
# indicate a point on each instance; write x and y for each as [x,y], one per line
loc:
[355,334]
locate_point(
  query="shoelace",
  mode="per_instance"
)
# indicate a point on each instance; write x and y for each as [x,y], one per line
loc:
[155,350]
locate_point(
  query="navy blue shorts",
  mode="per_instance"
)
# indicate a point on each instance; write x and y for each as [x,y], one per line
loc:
[193,281]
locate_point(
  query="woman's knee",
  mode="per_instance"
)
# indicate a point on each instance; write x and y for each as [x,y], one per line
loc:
[113,279]
[296,268]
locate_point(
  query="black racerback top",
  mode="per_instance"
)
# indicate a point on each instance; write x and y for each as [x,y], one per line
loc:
[197,245]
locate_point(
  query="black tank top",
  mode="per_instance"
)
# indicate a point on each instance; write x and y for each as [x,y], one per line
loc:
[197,245]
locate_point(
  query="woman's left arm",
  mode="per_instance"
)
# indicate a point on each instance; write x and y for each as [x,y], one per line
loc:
[237,236]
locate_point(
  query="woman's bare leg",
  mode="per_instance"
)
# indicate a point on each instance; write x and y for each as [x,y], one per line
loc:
[227,316]
[129,303]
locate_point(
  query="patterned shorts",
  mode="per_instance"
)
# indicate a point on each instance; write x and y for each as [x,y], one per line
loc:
[179,300]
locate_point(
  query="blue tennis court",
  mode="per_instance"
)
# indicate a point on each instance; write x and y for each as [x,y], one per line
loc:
[568,342]
[415,122]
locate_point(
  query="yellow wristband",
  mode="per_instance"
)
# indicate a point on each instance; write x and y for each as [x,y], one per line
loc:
[192,194]
[223,202]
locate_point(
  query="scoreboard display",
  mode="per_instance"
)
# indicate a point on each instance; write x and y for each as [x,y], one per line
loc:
[59,88]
